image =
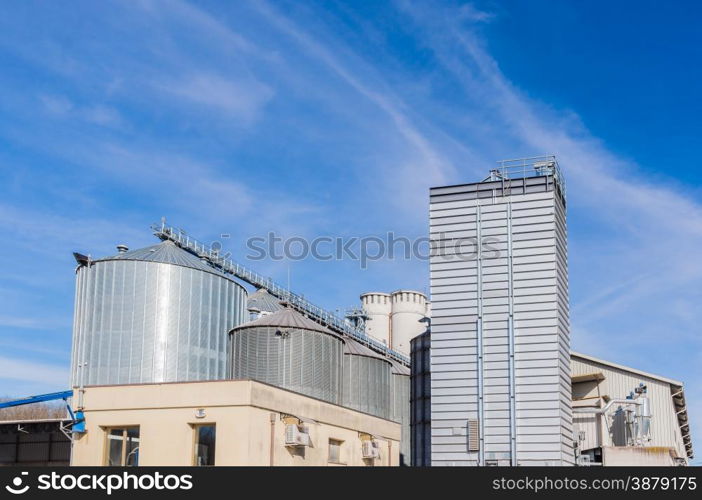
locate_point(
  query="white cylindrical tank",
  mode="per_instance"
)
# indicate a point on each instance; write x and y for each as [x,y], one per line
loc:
[377,306]
[409,309]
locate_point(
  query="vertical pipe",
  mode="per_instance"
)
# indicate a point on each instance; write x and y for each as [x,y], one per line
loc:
[82,359]
[479,334]
[510,333]
[271,449]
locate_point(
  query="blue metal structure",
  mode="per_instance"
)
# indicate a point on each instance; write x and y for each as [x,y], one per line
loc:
[78,419]
[52,396]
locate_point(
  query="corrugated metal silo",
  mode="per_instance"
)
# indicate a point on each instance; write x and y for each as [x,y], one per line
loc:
[260,303]
[157,314]
[288,350]
[401,407]
[367,380]
[420,400]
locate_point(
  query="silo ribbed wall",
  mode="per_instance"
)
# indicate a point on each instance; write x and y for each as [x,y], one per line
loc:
[367,385]
[139,322]
[304,361]
[401,413]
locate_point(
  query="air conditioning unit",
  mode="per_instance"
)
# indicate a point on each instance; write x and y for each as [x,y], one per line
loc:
[296,436]
[370,449]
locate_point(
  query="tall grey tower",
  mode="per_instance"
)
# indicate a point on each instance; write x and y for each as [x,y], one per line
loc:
[500,340]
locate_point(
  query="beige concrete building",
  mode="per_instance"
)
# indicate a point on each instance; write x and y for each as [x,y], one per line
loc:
[228,422]
[612,432]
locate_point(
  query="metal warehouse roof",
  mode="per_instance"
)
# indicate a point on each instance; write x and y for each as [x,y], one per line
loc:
[625,368]
[166,252]
[286,318]
[677,393]
[263,301]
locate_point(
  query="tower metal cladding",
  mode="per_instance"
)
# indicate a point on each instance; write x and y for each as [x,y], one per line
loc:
[156,314]
[500,375]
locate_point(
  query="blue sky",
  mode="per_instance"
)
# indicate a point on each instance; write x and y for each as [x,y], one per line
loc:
[331,118]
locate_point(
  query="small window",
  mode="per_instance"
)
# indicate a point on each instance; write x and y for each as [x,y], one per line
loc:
[205,437]
[335,451]
[122,446]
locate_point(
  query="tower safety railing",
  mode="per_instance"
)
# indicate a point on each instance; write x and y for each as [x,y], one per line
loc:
[229,266]
[534,166]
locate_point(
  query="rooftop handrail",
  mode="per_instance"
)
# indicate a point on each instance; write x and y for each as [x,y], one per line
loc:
[327,318]
[534,166]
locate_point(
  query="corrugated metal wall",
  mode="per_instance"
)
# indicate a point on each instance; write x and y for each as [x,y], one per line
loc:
[304,361]
[420,401]
[367,385]
[401,413]
[521,267]
[138,322]
[618,383]
[34,443]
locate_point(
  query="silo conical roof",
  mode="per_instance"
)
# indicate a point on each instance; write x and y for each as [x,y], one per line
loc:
[166,252]
[286,318]
[399,369]
[263,301]
[357,349]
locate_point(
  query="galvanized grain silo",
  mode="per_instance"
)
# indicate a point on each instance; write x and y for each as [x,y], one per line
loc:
[260,303]
[288,350]
[367,385]
[401,407]
[157,314]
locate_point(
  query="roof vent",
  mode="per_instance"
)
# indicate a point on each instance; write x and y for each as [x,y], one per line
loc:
[122,248]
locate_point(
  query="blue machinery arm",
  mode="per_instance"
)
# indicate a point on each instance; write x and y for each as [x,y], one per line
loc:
[52,396]
[78,420]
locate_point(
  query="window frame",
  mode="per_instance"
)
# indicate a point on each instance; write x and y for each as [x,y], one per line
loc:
[340,443]
[125,436]
[196,440]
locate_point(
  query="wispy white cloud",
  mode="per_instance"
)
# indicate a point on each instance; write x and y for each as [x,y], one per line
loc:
[237,98]
[31,371]
[34,323]
[98,114]
[429,164]
[43,234]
